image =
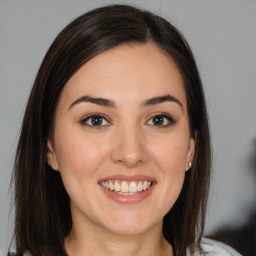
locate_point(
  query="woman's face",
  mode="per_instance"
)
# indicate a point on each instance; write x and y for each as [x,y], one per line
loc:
[121,139]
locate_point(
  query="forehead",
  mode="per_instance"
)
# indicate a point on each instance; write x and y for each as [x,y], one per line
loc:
[130,72]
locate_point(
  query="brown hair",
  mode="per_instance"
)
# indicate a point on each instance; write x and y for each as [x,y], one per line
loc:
[42,206]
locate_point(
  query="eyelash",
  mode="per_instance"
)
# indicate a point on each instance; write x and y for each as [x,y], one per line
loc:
[96,115]
[165,118]
[169,119]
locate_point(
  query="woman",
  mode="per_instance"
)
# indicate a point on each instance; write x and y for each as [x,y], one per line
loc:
[114,153]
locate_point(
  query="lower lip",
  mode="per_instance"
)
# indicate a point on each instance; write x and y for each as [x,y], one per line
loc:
[128,199]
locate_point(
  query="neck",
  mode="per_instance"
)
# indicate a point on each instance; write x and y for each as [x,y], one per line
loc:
[91,239]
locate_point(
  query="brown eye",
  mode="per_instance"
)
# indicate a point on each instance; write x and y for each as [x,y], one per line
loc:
[158,120]
[95,120]
[161,120]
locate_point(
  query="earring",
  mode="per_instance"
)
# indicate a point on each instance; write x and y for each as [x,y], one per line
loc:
[189,164]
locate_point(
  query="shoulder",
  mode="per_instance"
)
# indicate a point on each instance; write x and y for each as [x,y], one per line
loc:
[214,248]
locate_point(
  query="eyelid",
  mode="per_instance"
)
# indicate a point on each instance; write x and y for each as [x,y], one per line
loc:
[91,115]
[170,119]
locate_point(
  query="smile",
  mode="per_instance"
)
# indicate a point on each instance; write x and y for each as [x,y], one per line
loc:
[126,187]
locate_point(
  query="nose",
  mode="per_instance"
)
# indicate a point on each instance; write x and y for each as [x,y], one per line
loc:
[129,147]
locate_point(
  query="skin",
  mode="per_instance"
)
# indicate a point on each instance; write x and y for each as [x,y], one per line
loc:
[128,142]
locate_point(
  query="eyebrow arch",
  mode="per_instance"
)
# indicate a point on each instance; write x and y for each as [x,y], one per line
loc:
[161,99]
[98,101]
[109,103]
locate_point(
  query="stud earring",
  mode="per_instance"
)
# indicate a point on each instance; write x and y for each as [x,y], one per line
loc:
[189,164]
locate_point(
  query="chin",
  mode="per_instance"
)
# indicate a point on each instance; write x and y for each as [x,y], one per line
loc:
[128,230]
[130,225]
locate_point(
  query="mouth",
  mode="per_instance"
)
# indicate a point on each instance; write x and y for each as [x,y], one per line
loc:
[122,187]
[127,189]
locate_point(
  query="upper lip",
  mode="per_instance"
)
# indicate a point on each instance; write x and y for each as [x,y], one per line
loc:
[139,177]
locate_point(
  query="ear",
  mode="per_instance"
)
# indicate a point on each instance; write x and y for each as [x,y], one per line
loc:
[51,157]
[191,150]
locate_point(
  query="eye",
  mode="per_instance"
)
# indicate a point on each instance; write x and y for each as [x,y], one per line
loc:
[163,120]
[95,120]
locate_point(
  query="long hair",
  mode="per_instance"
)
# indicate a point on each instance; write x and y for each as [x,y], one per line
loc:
[42,207]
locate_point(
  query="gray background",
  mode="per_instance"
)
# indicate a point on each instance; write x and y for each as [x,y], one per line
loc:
[222,34]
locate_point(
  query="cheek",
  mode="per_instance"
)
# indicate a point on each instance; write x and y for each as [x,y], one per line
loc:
[79,159]
[172,164]
[171,153]
[78,155]
[170,157]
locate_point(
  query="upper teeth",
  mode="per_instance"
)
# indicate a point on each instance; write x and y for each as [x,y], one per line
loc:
[124,186]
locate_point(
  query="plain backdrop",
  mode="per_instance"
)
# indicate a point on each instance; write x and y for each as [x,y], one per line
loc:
[222,35]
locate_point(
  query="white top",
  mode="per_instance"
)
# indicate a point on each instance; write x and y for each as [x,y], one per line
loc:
[215,248]
[210,247]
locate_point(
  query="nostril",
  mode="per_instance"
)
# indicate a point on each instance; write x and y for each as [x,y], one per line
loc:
[128,149]
[129,162]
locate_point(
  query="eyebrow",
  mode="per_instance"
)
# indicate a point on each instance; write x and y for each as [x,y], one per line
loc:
[108,103]
[98,101]
[162,99]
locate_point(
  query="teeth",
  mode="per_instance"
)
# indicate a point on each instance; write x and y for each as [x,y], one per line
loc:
[117,186]
[144,186]
[111,186]
[126,188]
[127,193]
[140,186]
[133,187]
